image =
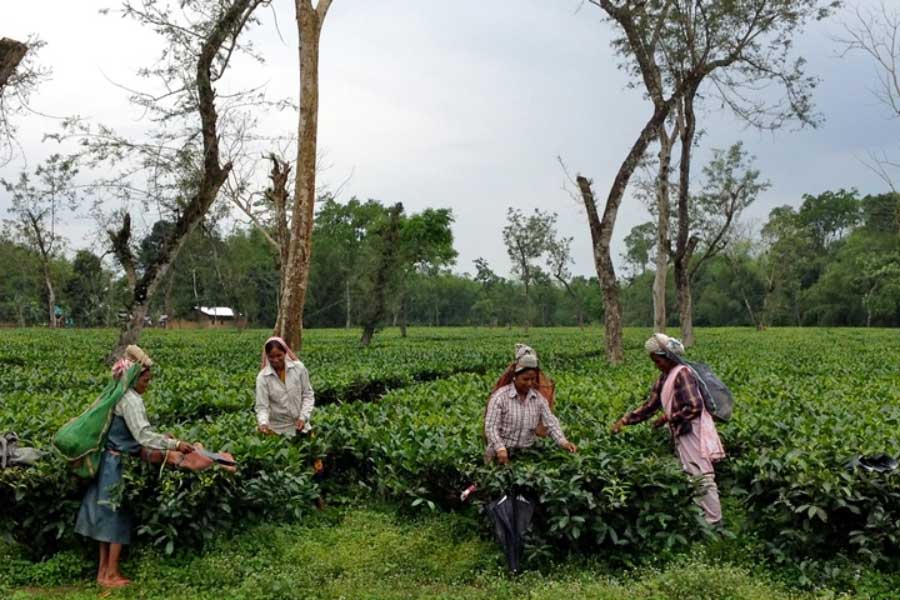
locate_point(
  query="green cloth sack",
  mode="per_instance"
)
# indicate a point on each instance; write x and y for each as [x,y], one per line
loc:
[82,439]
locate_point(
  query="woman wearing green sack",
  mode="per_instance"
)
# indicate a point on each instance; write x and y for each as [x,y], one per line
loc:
[100,517]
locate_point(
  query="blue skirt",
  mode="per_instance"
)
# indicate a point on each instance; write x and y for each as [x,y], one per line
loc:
[99,518]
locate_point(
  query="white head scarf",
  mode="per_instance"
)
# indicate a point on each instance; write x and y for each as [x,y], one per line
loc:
[526,358]
[663,345]
[133,354]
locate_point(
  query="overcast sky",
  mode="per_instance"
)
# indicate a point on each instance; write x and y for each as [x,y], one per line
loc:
[461,104]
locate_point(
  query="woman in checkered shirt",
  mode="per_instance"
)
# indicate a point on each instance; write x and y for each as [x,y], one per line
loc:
[518,410]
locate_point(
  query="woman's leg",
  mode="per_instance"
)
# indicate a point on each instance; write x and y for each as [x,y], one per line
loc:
[694,463]
[112,571]
[709,500]
[104,558]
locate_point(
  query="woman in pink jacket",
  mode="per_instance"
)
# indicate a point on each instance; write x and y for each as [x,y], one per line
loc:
[697,442]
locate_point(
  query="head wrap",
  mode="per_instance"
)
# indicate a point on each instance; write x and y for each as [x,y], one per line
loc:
[133,354]
[663,345]
[526,358]
[284,346]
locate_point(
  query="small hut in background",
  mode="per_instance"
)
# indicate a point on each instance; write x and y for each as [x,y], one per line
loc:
[206,317]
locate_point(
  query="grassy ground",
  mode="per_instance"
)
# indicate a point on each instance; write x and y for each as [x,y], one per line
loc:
[376,553]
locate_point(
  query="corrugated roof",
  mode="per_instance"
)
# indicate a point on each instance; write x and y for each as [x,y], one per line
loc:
[216,311]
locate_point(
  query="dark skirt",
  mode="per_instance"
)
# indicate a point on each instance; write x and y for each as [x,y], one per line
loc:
[101,517]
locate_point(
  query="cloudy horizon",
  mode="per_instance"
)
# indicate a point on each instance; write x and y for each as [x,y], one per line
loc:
[465,106]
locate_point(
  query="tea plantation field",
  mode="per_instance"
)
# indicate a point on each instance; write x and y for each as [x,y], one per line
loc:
[398,429]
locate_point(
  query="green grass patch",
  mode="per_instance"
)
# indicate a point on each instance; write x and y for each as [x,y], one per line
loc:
[376,553]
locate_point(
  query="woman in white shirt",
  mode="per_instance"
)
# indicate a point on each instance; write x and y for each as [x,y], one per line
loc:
[284,396]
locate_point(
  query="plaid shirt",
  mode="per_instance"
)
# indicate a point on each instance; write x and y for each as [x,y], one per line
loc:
[686,406]
[510,421]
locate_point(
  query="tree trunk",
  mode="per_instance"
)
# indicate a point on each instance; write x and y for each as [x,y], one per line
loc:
[612,307]
[278,196]
[51,295]
[367,335]
[347,325]
[601,231]
[194,284]
[685,245]
[753,318]
[168,305]
[212,177]
[662,229]
[685,306]
[579,309]
[134,326]
[867,303]
[11,54]
[121,246]
[20,312]
[296,276]
[403,317]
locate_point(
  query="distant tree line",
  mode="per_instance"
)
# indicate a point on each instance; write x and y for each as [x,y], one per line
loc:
[834,261]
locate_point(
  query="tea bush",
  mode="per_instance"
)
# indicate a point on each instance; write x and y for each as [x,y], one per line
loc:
[402,421]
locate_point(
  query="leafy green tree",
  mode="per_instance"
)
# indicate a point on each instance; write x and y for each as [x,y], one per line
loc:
[860,285]
[731,184]
[559,257]
[492,306]
[879,212]
[527,239]
[385,243]
[790,262]
[342,255]
[20,284]
[88,290]
[638,244]
[426,246]
[829,216]
[248,260]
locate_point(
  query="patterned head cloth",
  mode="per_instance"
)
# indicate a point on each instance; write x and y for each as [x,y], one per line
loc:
[287,350]
[133,354]
[526,358]
[663,345]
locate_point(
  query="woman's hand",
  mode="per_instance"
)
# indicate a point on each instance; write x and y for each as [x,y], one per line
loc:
[265,429]
[502,456]
[300,424]
[618,425]
[570,447]
[660,422]
[184,448]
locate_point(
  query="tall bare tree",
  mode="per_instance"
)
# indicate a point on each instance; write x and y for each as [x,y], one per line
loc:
[666,143]
[527,238]
[182,164]
[731,185]
[296,263]
[671,47]
[876,32]
[559,257]
[37,211]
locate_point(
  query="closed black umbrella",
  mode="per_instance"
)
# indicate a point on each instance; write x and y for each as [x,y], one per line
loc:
[879,463]
[511,516]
